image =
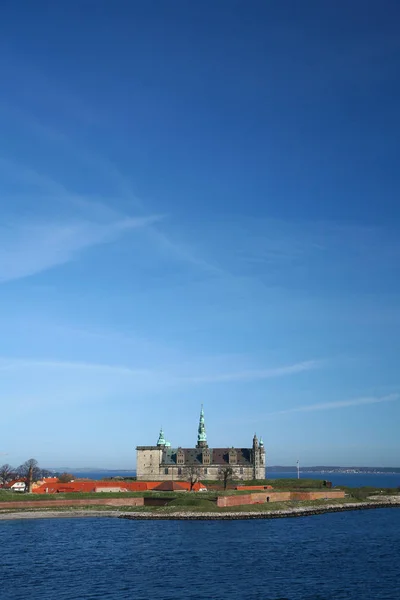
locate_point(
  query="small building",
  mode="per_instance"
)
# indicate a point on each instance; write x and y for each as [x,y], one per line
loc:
[163,462]
[18,486]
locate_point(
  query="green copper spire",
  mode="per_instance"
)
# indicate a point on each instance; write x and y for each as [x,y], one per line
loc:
[202,436]
[161,438]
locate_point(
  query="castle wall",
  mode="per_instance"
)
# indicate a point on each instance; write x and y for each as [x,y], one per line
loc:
[149,468]
[148,463]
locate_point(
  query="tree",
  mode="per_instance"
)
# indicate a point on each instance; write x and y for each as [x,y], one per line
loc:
[192,475]
[225,475]
[65,477]
[7,473]
[31,472]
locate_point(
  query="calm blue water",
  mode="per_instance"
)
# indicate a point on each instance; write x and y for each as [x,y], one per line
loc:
[342,556]
[348,479]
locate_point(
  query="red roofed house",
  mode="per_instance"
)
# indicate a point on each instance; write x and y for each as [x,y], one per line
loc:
[17,485]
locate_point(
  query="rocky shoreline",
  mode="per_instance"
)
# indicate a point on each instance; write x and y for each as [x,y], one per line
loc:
[301,511]
[273,514]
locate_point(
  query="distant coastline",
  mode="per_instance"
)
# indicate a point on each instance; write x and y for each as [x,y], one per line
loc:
[270,469]
[327,469]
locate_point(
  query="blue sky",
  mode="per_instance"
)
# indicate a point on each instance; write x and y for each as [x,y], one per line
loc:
[199,204]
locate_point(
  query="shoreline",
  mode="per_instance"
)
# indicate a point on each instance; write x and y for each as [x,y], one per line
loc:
[57,514]
[305,511]
[199,516]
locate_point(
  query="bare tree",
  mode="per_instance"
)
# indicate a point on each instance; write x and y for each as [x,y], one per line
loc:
[192,475]
[225,475]
[66,477]
[7,473]
[31,472]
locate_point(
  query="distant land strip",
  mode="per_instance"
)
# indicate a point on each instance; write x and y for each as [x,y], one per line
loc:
[327,469]
[270,469]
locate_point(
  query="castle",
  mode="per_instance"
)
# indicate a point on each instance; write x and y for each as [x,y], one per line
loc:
[164,463]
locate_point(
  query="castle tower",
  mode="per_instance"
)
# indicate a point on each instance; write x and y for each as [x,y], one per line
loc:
[262,458]
[202,436]
[256,457]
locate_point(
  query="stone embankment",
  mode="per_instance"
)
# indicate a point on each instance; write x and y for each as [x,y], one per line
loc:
[271,514]
[382,498]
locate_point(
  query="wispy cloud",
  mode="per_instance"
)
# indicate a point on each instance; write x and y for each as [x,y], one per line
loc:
[12,364]
[27,248]
[276,251]
[256,374]
[105,208]
[165,374]
[42,186]
[340,404]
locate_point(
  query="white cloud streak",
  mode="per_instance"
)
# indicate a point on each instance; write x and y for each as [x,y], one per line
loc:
[89,207]
[257,374]
[20,364]
[27,248]
[340,404]
[166,375]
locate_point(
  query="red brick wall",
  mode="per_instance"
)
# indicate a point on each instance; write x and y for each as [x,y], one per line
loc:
[330,494]
[258,498]
[261,497]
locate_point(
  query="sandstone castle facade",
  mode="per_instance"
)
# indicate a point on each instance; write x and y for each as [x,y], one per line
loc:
[164,463]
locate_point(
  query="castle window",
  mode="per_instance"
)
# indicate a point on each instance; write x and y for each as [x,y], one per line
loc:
[206,457]
[232,456]
[180,457]
[179,471]
[205,471]
[241,470]
[166,470]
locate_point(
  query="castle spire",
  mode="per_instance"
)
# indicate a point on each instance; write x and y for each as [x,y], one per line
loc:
[161,439]
[202,436]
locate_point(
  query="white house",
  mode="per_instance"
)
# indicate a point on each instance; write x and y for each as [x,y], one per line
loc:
[18,486]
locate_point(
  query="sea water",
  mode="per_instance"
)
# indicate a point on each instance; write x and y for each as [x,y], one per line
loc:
[336,556]
[384,480]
